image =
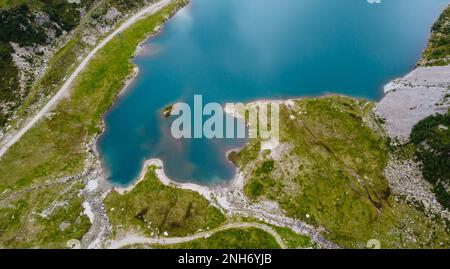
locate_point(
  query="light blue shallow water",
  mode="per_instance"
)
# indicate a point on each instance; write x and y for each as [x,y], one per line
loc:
[242,50]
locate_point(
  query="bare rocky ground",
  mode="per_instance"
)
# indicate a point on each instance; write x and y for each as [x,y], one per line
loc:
[405,178]
[97,188]
[421,93]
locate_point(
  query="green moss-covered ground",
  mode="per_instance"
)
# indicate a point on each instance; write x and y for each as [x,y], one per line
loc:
[292,239]
[431,138]
[153,208]
[331,176]
[43,218]
[438,50]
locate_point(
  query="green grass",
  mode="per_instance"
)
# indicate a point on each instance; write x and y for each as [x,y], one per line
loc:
[431,138]
[154,208]
[56,145]
[334,174]
[23,226]
[293,240]
[34,4]
[242,238]
[438,50]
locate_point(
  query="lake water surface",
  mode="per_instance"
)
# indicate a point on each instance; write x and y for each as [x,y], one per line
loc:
[242,50]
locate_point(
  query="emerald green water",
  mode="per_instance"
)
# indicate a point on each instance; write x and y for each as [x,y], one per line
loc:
[242,50]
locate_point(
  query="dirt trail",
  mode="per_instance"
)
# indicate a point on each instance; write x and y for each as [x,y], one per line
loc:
[130,239]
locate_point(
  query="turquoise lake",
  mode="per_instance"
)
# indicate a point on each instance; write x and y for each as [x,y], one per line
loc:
[243,50]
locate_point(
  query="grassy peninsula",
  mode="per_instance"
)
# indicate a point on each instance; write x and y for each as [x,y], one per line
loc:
[329,172]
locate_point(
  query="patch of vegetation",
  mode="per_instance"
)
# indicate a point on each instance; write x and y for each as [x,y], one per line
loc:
[61,64]
[64,60]
[247,154]
[294,240]
[43,218]
[242,238]
[332,177]
[33,4]
[260,177]
[438,50]
[56,146]
[18,25]
[403,152]
[124,5]
[8,81]
[431,137]
[21,24]
[154,208]
[66,14]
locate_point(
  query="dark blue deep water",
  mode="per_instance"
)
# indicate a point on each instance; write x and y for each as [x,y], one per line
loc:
[242,50]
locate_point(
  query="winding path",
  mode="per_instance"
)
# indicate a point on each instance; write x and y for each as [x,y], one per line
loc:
[131,239]
[66,86]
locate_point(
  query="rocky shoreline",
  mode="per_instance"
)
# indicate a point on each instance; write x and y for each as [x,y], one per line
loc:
[422,93]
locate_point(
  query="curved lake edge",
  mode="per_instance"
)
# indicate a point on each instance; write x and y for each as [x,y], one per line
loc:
[204,187]
[127,83]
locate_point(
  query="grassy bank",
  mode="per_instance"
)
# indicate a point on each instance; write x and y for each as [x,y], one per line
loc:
[293,240]
[330,174]
[438,50]
[153,209]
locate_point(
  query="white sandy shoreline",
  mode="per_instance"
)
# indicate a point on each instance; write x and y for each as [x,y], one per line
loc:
[205,191]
